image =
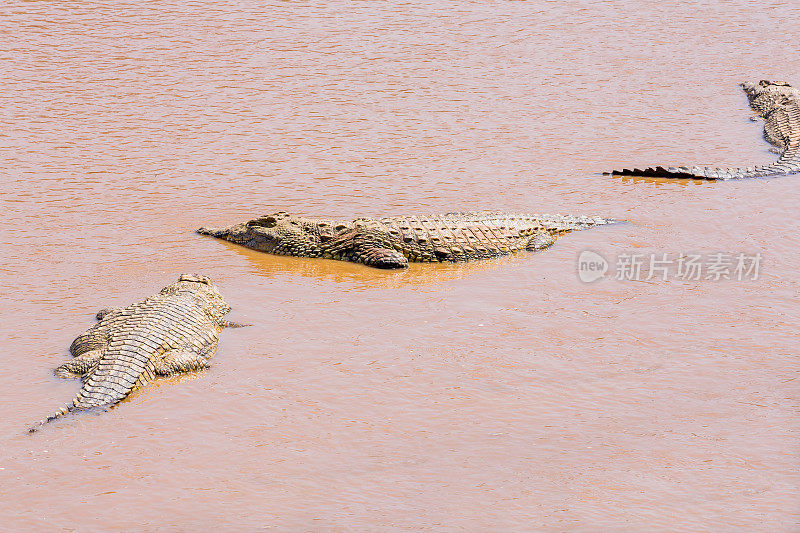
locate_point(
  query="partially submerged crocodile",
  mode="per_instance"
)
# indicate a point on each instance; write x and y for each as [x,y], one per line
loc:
[173,331]
[393,242]
[778,104]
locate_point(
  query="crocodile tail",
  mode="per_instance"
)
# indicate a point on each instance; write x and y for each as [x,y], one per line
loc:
[68,408]
[708,173]
[779,105]
[559,224]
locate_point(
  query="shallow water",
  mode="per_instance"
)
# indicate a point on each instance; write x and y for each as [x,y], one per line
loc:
[499,395]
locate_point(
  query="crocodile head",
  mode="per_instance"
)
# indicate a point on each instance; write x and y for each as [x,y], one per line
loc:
[206,293]
[360,241]
[754,89]
[195,278]
[766,96]
[283,234]
[768,83]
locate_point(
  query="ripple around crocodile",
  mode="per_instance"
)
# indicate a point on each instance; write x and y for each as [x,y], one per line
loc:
[778,103]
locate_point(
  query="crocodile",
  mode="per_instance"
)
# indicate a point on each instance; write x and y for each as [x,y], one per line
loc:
[171,332]
[392,242]
[778,103]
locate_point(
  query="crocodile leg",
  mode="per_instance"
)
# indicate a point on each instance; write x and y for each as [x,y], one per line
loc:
[360,247]
[95,338]
[80,365]
[540,241]
[378,257]
[106,310]
[185,360]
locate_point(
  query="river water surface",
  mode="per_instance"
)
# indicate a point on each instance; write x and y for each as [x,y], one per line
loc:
[503,395]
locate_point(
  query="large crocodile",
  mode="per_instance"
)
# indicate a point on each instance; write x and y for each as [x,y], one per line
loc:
[173,331]
[778,104]
[393,242]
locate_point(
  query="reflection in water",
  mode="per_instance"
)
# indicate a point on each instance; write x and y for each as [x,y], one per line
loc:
[638,180]
[363,277]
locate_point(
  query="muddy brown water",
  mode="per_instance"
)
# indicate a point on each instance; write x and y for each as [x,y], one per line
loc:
[504,395]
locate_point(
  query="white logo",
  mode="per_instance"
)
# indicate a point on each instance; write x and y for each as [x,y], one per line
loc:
[591,266]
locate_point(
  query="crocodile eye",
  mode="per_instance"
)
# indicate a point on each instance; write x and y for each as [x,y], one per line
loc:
[340,227]
[196,278]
